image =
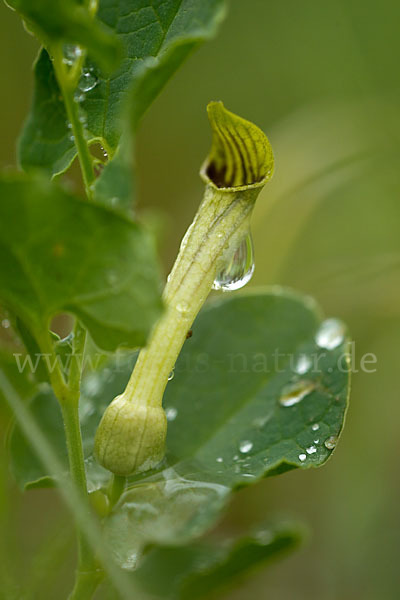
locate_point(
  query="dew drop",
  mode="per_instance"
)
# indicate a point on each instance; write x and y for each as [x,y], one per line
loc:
[5,323]
[220,459]
[171,375]
[245,446]
[330,334]
[71,53]
[311,450]
[303,364]
[315,427]
[87,81]
[293,393]
[239,268]
[171,413]
[302,457]
[330,442]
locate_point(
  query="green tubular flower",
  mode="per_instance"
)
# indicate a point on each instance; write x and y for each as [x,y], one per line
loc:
[131,435]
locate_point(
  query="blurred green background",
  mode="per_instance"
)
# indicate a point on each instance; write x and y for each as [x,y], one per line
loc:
[322,79]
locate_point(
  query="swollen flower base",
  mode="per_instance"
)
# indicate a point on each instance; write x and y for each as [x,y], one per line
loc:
[131,435]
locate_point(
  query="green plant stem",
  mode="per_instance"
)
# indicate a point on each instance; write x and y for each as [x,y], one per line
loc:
[68,394]
[68,80]
[117,486]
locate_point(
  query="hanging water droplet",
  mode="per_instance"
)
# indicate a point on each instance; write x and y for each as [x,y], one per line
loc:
[302,457]
[5,323]
[330,334]
[330,442]
[171,375]
[245,446]
[87,81]
[311,450]
[71,53]
[303,364]
[315,427]
[239,268]
[295,392]
[171,413]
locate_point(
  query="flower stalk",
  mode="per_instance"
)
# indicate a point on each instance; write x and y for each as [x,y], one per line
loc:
[131,435]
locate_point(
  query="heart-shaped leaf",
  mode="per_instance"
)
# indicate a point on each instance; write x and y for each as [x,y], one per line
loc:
[261,387]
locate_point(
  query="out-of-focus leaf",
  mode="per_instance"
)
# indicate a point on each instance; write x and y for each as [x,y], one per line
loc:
[69,21]
[203,570]
[61,254]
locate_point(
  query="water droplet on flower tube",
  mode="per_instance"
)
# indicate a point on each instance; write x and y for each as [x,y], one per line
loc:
[293,393]
[239,268]
[171,375]
[330,334]
[87,81]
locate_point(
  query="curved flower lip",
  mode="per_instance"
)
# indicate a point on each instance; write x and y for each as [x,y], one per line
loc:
[241,156]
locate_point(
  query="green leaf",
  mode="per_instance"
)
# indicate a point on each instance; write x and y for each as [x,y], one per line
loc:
[45,141]
[69,21]
[203,570]
[156,38]
[227,425]
[59,253]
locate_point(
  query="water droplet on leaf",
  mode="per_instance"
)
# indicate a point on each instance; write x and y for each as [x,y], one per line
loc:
[330,334]
[171,413]
[239,269]
[315,427]
[171,375]
[87,81]
[311,450]
[5,323]
[302,457]
[303,364]
[245,446]
[293,393]
[220,459]
[330,442]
